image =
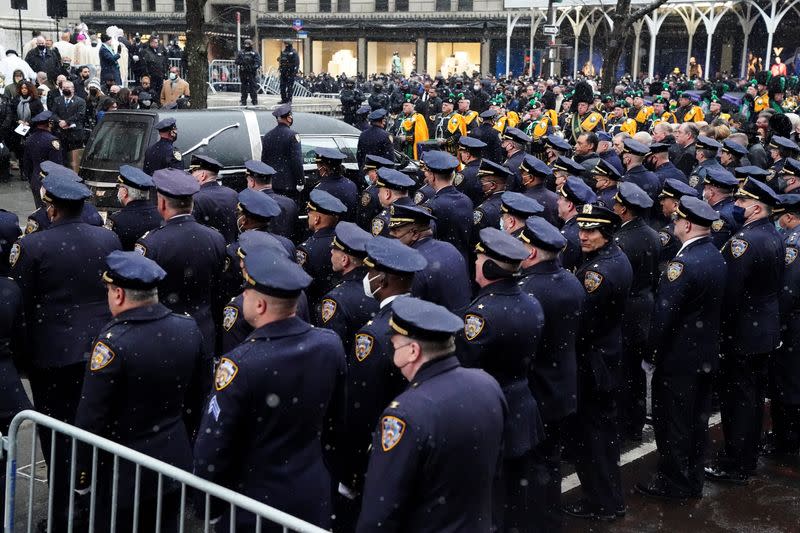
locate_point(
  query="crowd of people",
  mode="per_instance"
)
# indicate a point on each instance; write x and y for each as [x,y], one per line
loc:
[423,349]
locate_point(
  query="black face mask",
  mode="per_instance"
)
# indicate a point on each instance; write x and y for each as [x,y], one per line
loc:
[41,47]
[67,92]
[493,271]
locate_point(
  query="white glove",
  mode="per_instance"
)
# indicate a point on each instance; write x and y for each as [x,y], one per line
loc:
[648,367]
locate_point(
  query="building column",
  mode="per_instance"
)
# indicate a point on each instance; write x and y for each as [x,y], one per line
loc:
[362,56]
[510,23]
[422,55]
[637,29]
[486,57]
[307,66]
[654,21]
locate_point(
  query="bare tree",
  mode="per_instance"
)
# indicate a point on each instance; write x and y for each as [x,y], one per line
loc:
[623,19]
[197,52]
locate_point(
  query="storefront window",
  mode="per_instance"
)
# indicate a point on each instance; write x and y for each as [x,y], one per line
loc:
[453,58]
[401,5]
[335,57]
[272,48]
[343,6]
[324,6]
[379,56]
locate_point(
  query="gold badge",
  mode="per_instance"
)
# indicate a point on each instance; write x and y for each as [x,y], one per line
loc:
[31,227]
[674,270]
[229,316]
[225,373]
[301,257]
[177,155]
[419,198]
[718,224]
[738,247]
[592,280]
[14,254]
[392,429]
[365,199]
[328,309]
[377,226]
[473,325]
[56,144]
[140,248]
[102,355]
[364,344]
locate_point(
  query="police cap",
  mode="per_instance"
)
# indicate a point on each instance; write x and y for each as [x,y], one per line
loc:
[535,166]
[282,110]
[540,233]
[631,195]
[376,115]
[516,135]
[758,191]
[471,144]
[423,320]
[787,203]
[372,162]
[400,215]
[134,177]
[604,136]
[489,114]
[165,124]
[792,167]
[438,161]
[325,203]
[734,148]
[519,205]
[597,217]
[577,192]
[568,165]
[270,272]
[707,143]
[500,246]
[390,178]
[391,255]
[329,155]
[205,162]
[59,187]
[490,168]
[696,211]
[254,239]
[48,167]
[676,188]
[604,168]
[257,204]
[657,148]
[132,270]
[351,239]
[632,146]
[259,167]
[779,143]
[175,183]
[750,171]
[44,116]
[719,177]
[363,110]
[557,142]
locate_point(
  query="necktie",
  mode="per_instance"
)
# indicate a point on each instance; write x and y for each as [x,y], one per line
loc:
[68,101]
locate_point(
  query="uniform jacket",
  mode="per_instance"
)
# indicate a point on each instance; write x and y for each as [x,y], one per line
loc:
[571,256]
[445,280]
[215,206]
[12,394]
[549,201]
[374,141]
[785,365]
[344,189]
[454,222]
[40,145]
[486,133]
[285,223]
[645,179]
[487,215]
[39,221]
[722,229]
[235,328]
[469,183]
[668,170]
[280,149]
[161,155]
[314,255]
[133,221]
[345,308]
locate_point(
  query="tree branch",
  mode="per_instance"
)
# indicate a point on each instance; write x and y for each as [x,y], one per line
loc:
[646,10]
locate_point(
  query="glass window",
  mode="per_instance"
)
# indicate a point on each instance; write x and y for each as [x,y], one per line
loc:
[381,6]
[111,5]
[272,5]
[97,5]
[151,5]
[180,6]
[119,142]
[346,145]
[324,6]
[401,5]
[465,5]
[343,6]
[136,5]
[442,5]
[289,5]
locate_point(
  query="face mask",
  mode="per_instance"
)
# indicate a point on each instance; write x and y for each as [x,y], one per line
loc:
[172,75]
[367,181]
[366,281]
[502,224]
[740,214]
[119,196]
[67,92]
[40,47]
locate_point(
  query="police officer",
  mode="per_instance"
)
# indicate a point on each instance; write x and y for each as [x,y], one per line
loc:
[329,167]
[452,209]
[138,214]
[731,154]
[65,307]
[214,203]
[750,171]
[40,146]
[660,164]
[39,220]
[671,193]
[534,175]
[421,445]
[606,277]
[314,255]
[369,206]
[504,320]
[144,334]
[573,195]
[552,373]
[445,281]
[494,180]
[780,148]
[375,140]
[685,337]
[9,233]
[280,149]
[288,64]
[259,178]
[755,256]
[642,247]
[486,133]
[467,181]
[563,167]
[259,378]
[257,211]
[351,98]
[633,154]
[163,154]
[718,191]
[555,145]
[706,155]
[514,142]
[192,254]
[606,180]
[373,381]
[249,61]
[515,209]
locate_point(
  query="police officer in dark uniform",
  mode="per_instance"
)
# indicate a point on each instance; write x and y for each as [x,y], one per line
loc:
[259,178]
[193,255]
[633,154]
[486,133]
[329,167]
[606,277]
[452,209]
[706,155]
[573,195]
[373,381]
[467,181]
[671,193]
[494,180]
[57,271]
[392,188]
[756,258]
[214,203]
[351,98]
[314,255]
[606,179]
[41,145]
[280,149]
[249,61]
[427,434]
[345,308]
[642,246]
[369,205]
[144,334]
[780,149]
[563,167]
[257,211]
[39,220]
[288,64]
[502,328]
[445,280]
[732,154]
[375,140]
[138,214]
[552,373]
[515,209]
[163,154]
[259,378]
[534,175]
[663,168]
[685,354]
[718,192]
[9,233]
[514,142]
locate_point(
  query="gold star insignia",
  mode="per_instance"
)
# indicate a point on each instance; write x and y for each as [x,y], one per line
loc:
[480,306]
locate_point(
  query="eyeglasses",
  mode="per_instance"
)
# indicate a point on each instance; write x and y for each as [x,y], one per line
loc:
[402,346]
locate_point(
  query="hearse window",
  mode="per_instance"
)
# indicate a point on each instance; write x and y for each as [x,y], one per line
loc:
[116,140]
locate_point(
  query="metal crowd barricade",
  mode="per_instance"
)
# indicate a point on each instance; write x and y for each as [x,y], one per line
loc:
[264,514]
[223,75]
[332,96]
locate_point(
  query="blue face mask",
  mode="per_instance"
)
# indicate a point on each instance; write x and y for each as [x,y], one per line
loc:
[502,224]
[739,214]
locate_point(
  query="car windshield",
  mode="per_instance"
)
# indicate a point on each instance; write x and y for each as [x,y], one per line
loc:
[346,145]
[118,141]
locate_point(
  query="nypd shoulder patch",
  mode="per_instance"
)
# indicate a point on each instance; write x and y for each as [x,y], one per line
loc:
[226,371]
[13,256]
[592,280]
[674,270]
[738,247]
[791,255]
[328,309]
[377,226]
[229,316]
[177,155]
[664,237]
[459,179]
[364,345]
[419,198]
[718,224]
[473,326]
[140,248]
[301,256]
[365,199]
[31,227]
[102,355]
[477,216]
[694,179]
[56,145]
[392,429]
